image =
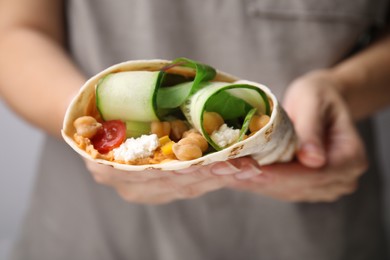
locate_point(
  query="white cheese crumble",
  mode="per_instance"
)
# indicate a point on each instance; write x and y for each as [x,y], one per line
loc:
[140,147]
[225,136]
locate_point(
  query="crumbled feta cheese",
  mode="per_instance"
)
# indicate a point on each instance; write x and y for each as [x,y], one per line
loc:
[140,147]
[225,136]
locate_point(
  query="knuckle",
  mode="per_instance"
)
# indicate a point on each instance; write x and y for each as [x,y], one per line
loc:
[181,191]
[168,184]
[322,179]
[199,175]
[223,181]
[188,191]
[214,184]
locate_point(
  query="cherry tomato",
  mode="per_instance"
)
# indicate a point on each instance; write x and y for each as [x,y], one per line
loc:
[111,135]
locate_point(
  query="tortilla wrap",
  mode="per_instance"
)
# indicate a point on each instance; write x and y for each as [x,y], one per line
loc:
[275,142]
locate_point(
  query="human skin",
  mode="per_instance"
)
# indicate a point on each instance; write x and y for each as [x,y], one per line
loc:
[330,159]
[331,156]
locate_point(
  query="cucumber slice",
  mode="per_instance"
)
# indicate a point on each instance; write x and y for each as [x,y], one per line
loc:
[195,106]
[128,96]
[136,129]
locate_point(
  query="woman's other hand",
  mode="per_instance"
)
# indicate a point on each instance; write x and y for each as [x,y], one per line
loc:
[331,156]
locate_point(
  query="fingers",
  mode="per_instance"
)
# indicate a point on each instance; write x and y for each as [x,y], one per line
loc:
[202,187]
[103,173]
[294,174]
[295,182]
[329,193]
[156,187]
[331,156]
[168,189]
[309,117]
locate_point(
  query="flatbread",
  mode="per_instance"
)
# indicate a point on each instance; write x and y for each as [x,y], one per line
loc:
[275,142]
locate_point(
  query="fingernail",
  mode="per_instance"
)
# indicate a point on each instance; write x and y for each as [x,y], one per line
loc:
[248,171]
[224,168]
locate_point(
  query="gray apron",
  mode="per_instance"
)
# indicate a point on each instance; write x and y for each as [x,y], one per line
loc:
[269,41]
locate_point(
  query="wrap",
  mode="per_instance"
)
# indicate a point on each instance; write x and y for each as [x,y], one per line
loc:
[275,142]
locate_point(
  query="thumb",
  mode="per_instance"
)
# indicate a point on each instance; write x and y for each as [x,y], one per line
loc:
[309,123]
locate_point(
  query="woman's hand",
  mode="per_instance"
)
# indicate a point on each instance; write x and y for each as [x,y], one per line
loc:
[155,186]
[331,156]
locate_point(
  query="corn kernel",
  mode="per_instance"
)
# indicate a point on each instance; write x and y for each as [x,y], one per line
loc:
[164,140]
[166,149]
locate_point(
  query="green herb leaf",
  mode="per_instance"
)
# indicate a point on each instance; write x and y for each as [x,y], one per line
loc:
[227,105]
[203,72]
[172,97]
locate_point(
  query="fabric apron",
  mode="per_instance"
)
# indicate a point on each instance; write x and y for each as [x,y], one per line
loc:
[268,41]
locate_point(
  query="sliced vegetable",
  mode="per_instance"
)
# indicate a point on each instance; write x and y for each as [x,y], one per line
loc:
[136,129]
[139,95]
[173,97]
[204,73]
[249,98]
[128,96]
[111,135]
[141,98]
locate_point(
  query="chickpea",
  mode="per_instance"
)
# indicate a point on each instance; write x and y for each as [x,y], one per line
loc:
[212,121]
[186,152]
[258,122]
[197,139]
[86,126]
[191,131]
[178,127]
[191,146]
[160,128]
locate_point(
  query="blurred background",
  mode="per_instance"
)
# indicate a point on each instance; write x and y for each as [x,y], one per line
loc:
[20,148]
